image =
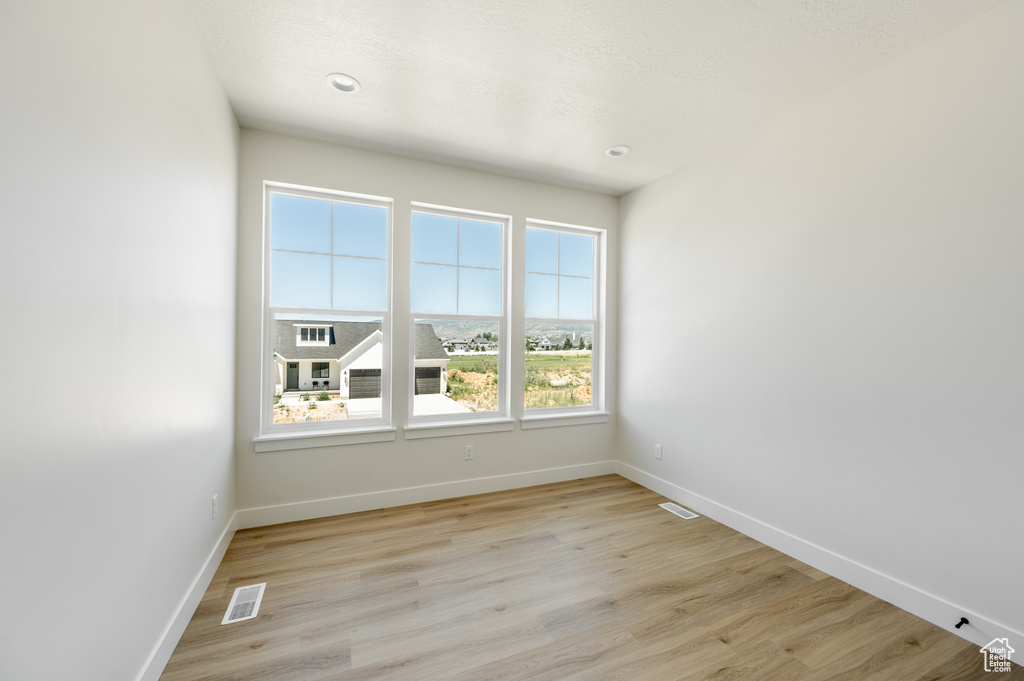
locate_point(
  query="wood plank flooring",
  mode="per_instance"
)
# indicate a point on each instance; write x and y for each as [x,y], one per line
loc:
[573,581]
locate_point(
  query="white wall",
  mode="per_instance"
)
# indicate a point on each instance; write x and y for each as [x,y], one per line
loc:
[371,358]
[118,194]
[839,304]
[299,477]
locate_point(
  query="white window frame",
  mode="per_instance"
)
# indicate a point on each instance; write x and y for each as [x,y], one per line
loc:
[535,418]
[421,426]
[298,334]
[280,436]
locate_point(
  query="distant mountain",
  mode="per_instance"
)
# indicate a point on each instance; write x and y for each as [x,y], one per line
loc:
[466,329]
[560,330]
[462,329]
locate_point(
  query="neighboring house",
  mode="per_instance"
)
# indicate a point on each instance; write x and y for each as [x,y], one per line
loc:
[558,342]
[431,362]
[346,357]
[481,343]
[997,655]
[457,346]
[544,344]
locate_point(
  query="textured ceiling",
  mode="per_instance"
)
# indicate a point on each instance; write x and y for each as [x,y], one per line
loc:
[540,88]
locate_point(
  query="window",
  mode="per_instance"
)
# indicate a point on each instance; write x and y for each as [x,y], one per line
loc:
[458,313]
[308,335]
[326,315]
[563,317]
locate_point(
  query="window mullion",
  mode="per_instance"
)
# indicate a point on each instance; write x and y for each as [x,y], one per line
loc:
[332,255]
[458,262]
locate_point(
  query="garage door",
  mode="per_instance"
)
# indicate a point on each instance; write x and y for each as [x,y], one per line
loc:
[364,383]
[428,380]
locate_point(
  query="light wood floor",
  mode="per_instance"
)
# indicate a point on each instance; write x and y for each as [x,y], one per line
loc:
[580,580]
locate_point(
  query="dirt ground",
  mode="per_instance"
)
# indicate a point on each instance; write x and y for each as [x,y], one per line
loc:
[332,410]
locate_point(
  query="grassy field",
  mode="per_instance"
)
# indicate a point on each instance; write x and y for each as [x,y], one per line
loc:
[552,380]
[474,363]
[557,380]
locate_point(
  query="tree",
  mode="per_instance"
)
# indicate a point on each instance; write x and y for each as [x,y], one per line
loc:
[590,346]
[582,345]
[567,343]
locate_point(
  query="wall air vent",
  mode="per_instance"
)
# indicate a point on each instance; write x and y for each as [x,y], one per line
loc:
[679,511]
[244,604]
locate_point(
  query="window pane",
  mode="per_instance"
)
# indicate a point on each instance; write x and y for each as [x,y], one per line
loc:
[434,289]
[558,370]
[479,244]
[434,239]
[541,295]
[456,368]
[576,255]
[360,230]
[348,369]
[541,251]
[479,291]
[360,284]
[300,224]
[300,280]
[575,298]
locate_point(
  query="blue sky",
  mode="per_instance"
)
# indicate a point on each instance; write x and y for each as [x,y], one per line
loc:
[343,260]
[559,275]
[456,265]
[332,255]
[446,240]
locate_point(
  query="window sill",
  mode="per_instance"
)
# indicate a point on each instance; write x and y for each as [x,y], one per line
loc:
[555,420]
[279,442]
[443,429]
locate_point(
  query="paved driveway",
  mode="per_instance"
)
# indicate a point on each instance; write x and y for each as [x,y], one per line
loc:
[433,405]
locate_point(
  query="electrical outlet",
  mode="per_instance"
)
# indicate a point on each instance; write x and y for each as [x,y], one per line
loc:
[469,452]
[657,451]
[214,507]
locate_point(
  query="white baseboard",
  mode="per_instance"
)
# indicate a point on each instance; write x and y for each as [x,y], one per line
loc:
[934,609]
[927,606]
[154,666]
[354,503]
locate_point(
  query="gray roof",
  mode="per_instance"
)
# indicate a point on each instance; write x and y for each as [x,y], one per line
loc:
[428,345]
[343,337]
[560,339]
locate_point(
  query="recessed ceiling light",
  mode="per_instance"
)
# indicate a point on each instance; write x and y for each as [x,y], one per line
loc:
[343,82]
[618,150]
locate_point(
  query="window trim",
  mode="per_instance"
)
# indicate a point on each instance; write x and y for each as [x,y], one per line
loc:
[553,420]
[425,423]
[289,435]
[552,415]
[282,442]
[299,328]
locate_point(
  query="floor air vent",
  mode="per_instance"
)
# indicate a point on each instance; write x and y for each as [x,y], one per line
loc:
[679,511]
[244,604]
